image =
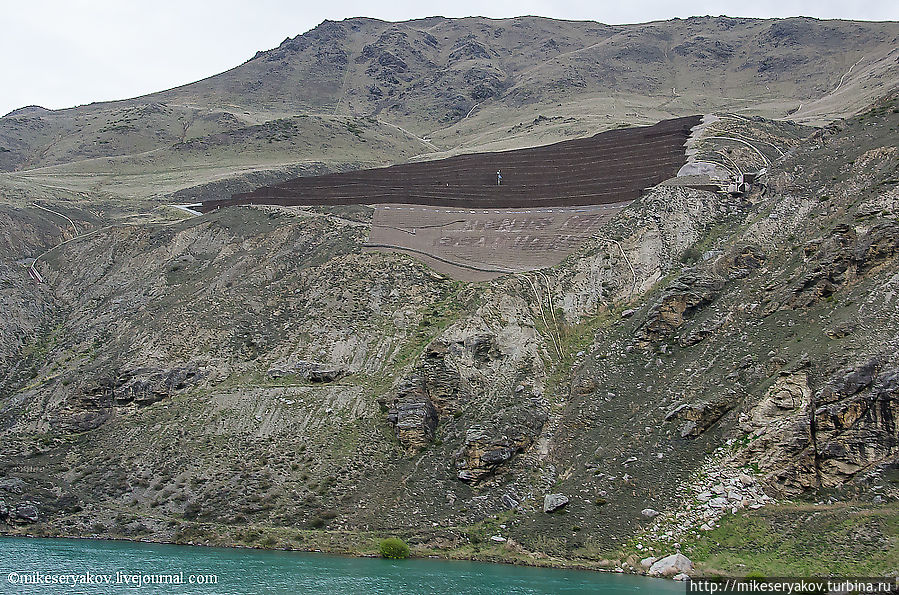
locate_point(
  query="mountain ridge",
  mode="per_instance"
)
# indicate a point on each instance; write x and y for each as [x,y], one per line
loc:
[440,87]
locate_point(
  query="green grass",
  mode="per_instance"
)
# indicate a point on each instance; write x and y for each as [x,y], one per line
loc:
[802,540]
[40,347]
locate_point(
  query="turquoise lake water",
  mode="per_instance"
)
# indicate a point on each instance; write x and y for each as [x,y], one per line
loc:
[238,571]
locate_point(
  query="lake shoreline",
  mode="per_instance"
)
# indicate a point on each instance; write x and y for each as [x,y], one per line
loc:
[778,531]
[32,563]
[495,555]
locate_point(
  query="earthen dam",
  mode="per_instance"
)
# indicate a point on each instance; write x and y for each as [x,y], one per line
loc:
[453,214]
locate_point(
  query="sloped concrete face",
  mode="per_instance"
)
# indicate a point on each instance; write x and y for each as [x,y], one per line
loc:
[480,244]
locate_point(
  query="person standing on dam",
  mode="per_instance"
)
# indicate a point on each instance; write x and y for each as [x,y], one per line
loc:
[499,178]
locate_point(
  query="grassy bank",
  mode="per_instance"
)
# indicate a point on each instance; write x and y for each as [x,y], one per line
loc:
[843,539]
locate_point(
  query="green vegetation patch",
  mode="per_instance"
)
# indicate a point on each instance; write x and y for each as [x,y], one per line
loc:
[848,539]
[394,548]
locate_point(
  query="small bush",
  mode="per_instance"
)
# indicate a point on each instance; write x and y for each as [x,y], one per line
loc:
[691,256]
[394,547]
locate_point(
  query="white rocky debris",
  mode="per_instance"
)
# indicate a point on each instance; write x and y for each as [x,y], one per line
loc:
[716,491]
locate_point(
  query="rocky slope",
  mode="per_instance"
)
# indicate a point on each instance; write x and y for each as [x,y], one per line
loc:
[705,365]
[252,368]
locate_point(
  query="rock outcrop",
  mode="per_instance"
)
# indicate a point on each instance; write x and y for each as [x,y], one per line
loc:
[148,385]
[26,512]
[683,296]
[434,388]
[833,262]
[490,446]
[856,423]
[13,485]
[100,393]
[698,417]
[310,371]
[440,378]
[484,451]
[805,440]
[780,433]
[413,416]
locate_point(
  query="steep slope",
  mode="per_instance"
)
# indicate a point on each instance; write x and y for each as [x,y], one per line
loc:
[252,375]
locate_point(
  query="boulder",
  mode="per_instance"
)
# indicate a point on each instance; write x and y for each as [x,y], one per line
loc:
[649,513]
[647,563]
[13,485]
[671,565]
[553,502]
[26,512]
[509,502]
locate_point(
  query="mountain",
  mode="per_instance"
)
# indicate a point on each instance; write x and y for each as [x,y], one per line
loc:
[709,373]
[364,92]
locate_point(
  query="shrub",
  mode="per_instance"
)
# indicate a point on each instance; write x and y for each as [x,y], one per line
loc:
[394,547]
[691,256]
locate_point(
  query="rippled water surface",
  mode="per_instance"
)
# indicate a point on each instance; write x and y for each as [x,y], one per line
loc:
[235,571]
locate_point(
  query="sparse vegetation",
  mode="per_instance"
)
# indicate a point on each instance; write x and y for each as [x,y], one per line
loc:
[691,255]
